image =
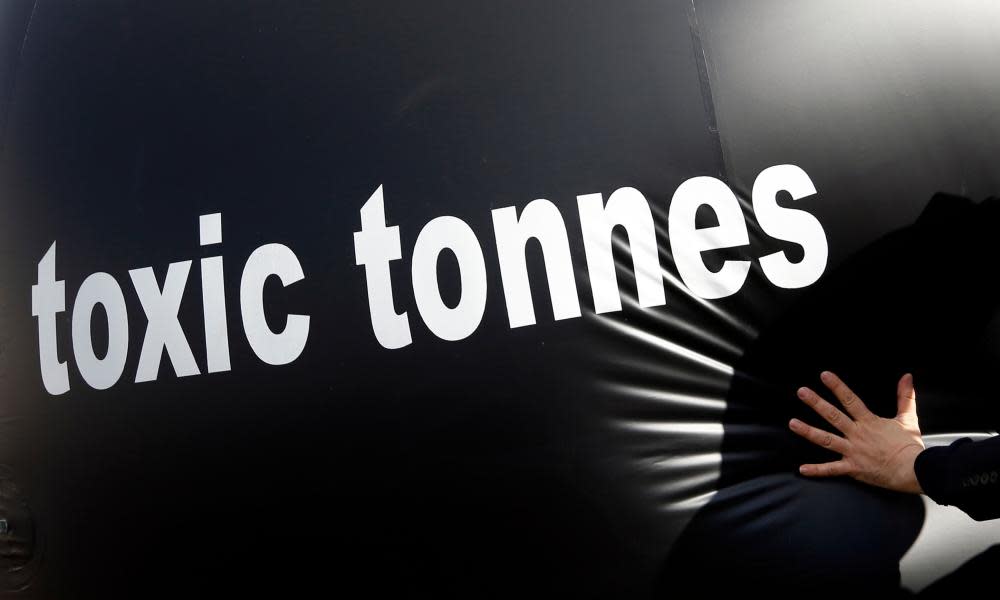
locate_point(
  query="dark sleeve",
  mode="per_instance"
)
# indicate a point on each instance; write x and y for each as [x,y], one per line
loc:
[965,474]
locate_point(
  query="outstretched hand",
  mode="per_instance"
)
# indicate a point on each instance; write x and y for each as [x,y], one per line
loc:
[873,450]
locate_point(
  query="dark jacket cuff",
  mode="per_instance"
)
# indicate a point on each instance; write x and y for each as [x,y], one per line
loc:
[935,473]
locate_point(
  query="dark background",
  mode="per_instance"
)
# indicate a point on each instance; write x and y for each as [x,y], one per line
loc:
[515,461]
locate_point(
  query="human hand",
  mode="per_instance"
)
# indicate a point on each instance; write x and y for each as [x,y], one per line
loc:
[873,450]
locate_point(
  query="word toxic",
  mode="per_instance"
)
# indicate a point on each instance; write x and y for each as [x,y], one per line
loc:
[161,304]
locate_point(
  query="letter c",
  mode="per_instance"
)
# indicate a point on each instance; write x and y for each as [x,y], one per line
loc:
[273,348]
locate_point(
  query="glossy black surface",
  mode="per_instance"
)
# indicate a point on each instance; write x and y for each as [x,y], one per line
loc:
[517,461]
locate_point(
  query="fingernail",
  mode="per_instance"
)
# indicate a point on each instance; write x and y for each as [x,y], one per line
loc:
[802,392]
[826,376]
[794,423]
[803,469]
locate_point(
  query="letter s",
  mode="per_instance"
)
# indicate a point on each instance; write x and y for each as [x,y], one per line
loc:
[792,225]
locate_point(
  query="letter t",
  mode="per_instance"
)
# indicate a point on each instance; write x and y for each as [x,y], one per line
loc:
[374,246]
[48,297]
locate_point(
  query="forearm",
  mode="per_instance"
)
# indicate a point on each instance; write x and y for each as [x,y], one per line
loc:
[965,474]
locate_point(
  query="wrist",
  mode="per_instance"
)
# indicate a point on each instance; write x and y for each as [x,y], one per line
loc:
[906,477]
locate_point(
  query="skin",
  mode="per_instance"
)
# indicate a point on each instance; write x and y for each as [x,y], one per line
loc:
[874,450]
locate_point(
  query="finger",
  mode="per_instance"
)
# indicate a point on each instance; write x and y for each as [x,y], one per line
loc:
[831,413]
[819,437]
[830,469]
[906,397]
[854,406]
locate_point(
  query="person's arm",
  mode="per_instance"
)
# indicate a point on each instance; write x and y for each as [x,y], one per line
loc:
[965,474]
[890,453]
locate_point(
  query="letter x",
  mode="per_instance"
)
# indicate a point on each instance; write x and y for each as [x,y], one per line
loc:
[163,330]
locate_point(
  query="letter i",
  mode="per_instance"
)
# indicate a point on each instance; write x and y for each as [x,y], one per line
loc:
[213,297]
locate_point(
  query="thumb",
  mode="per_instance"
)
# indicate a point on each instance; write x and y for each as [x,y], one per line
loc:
[906,397]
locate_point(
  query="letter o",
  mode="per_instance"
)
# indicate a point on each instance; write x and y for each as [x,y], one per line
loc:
[449,323]
[100,288]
